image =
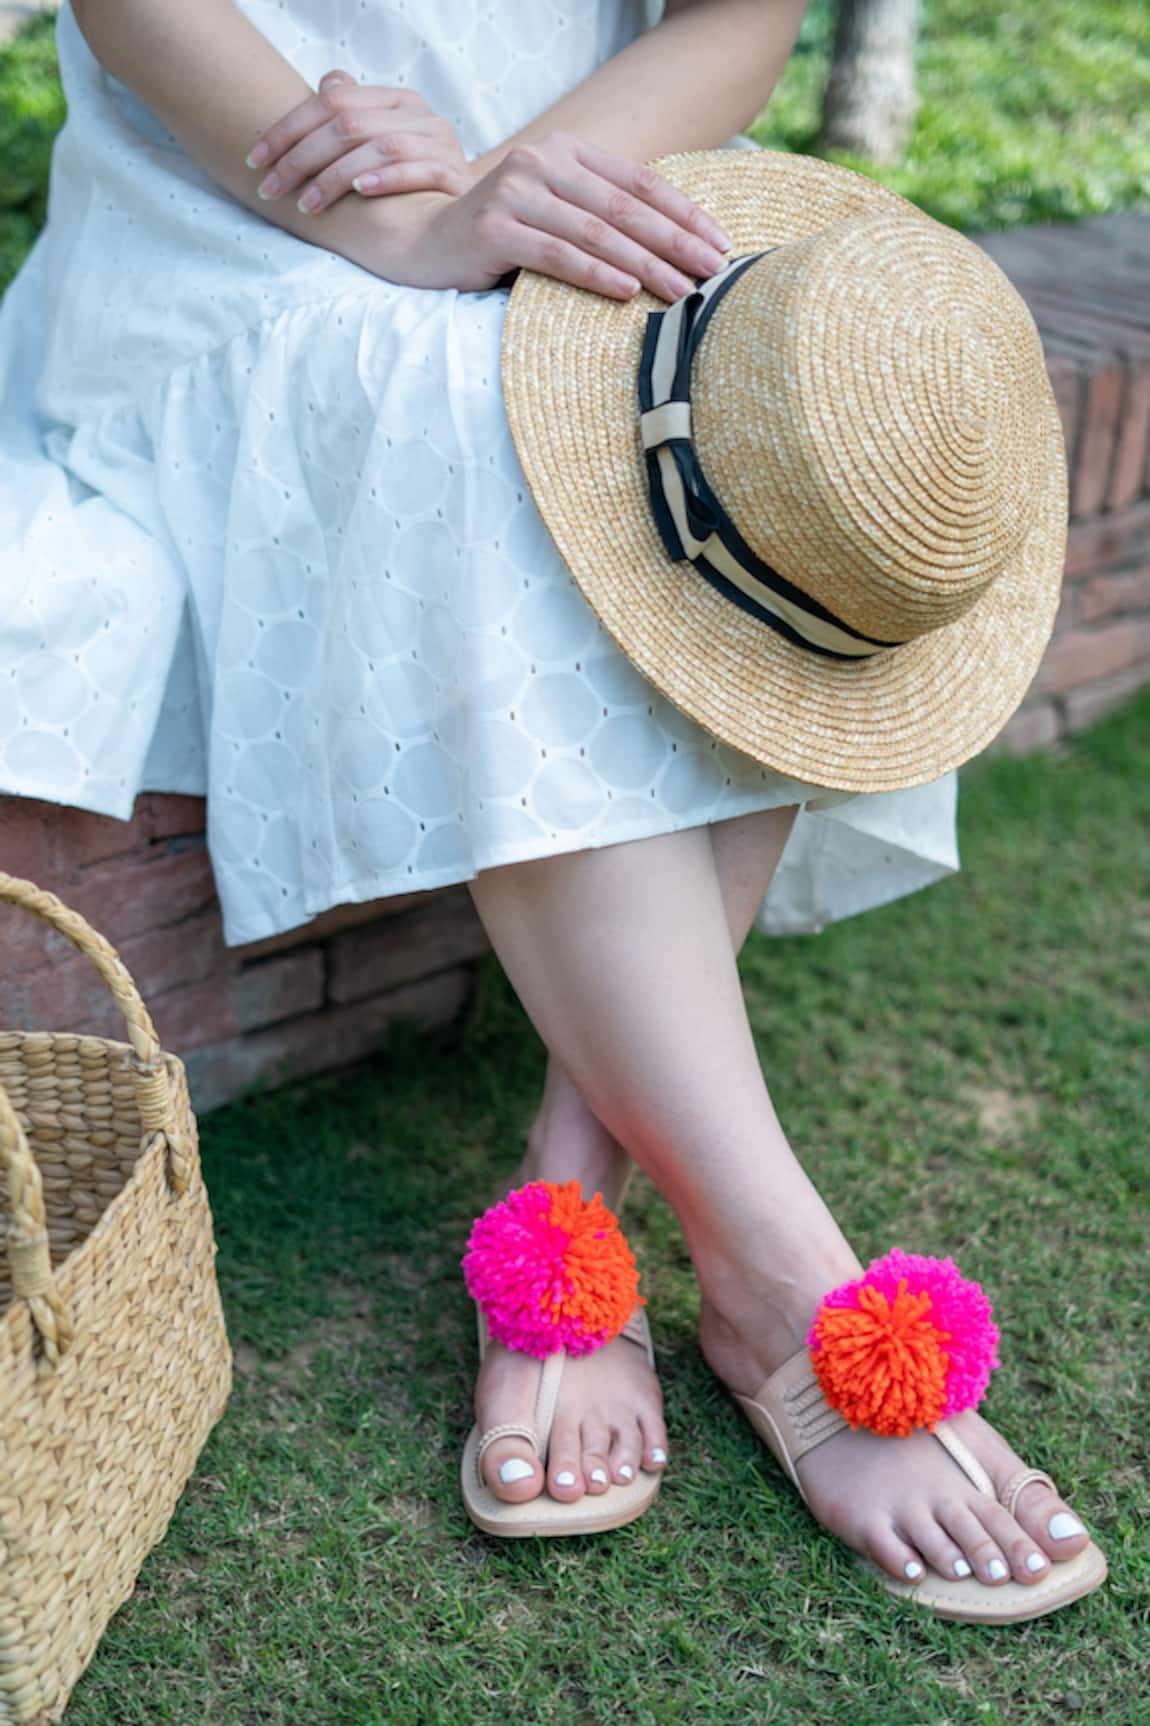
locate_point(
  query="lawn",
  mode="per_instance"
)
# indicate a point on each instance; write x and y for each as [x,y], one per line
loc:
[963,1072]
[1030,112]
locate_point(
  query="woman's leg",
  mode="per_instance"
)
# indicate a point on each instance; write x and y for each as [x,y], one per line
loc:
[623,958]
[567,1141]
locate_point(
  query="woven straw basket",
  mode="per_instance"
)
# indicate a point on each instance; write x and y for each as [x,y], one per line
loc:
[114,1361]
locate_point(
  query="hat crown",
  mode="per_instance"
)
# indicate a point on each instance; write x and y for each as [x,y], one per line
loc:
[870,403]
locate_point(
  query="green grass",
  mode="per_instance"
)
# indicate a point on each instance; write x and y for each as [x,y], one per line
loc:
[1031,111]
[963,1072]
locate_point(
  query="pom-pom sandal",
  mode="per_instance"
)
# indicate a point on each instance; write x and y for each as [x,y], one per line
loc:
[552,1275]
[872,1361]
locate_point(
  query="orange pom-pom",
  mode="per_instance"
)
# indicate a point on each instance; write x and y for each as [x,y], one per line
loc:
[603,1281]
[882,1363]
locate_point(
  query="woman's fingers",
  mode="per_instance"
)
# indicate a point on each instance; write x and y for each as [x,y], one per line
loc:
[532,249]
[322,157]
[432,175]
[642,183]
[338,95]
[670,250]
[594,236]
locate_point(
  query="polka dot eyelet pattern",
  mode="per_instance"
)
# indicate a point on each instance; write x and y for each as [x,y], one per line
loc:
[277,545]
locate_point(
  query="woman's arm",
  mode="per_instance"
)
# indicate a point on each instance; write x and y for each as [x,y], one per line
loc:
[703,73]
[217,83]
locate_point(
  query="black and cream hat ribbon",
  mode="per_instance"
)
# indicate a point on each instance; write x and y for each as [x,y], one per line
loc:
[692,522]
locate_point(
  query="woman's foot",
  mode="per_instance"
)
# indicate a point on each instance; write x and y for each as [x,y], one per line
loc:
[903,1502]
[609,1419]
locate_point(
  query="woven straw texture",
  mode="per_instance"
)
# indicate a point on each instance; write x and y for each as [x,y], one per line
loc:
[114,1361]
[871,405]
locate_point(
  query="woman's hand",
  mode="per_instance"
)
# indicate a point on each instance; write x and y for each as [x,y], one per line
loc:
[362,138]
[570,210]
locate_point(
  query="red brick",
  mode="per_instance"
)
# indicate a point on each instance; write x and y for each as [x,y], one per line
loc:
[1031,728]
[86,838]
[29,839]
[331,922]
[230,1003]
[220,1071]
[135,894]
[1084,706]
[1106,594]
[1082,655]
[1109,542]
[166,958]
[172,817]
[1095,455]
[428,939]
[1066,380]
[1068,608]
[68,995]
[1129,474]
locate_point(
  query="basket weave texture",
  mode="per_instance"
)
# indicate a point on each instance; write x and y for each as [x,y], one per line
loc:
[114,1359]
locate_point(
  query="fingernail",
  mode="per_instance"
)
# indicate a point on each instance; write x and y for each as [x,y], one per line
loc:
[310,200]
[961,1567]
[996,1570]
[269,187]
[912,1570]
[515,1469]
[627,1472]
[1035,1562]
[658,1455]
[257,156]
[365,182]
[1062,1525]
[599,1476]
[565,1479]
[723,240]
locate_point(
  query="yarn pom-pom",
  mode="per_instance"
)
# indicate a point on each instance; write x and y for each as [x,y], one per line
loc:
[550,1270]
[907,1344]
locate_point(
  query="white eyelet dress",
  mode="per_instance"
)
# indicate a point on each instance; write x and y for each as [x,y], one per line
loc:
[264,535]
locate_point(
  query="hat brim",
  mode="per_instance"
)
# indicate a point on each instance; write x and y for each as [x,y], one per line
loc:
[901,718]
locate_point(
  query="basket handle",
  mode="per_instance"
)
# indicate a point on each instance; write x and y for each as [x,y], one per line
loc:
[28,1251]
[28,1239]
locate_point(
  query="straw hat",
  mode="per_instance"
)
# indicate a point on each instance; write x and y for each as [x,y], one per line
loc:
[869,473]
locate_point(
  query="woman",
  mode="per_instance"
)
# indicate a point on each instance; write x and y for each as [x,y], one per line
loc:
[267,536]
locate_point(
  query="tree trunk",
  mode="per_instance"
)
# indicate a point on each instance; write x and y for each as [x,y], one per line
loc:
[870,98]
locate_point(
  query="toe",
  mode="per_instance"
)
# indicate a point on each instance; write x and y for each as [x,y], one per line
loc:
[1027,1562]
[977,1543]
[623,1458]
[564,1463]
[1051,1525]
[596,1444]
[655,1448]
[512,1472]
[894,1553]
[927,1535]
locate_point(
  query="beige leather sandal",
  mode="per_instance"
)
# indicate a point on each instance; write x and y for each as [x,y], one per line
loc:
[594,1513]
[792,1415]
[591,1514]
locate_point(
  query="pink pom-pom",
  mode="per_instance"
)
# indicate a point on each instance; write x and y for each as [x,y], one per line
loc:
[550,1270]
[959,1310]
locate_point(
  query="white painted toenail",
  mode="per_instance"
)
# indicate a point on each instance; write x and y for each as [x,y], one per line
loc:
[599,1476]
[996,1570]
[627,1472]
[658,1455]
[912,1570]
[515,1469]
[961,1567]
[1062,1525]
[1035,1562]
[565,1479]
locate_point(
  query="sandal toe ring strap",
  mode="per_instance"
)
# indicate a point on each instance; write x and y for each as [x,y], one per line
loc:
[509,1429]
[1013,1489]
